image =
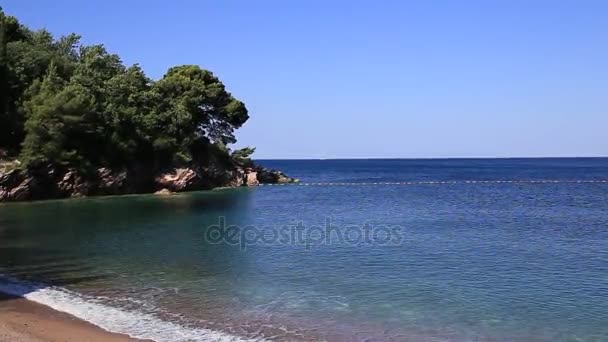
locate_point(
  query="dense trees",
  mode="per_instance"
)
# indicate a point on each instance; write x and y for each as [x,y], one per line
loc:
[69,104]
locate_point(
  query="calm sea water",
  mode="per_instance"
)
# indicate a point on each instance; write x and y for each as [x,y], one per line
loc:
[459,261]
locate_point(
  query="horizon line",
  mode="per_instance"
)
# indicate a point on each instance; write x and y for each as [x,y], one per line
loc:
[433,158]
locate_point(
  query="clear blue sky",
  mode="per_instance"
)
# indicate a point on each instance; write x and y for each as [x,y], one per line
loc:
[326,79]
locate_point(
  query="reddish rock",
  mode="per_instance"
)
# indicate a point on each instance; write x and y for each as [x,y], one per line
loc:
[23,191]
[252,179]
[73,185]
[181,179]
[111,182]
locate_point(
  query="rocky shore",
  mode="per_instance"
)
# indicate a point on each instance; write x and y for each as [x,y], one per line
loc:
[52,182]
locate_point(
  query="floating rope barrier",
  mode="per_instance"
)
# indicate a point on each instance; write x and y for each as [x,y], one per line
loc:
[547,181]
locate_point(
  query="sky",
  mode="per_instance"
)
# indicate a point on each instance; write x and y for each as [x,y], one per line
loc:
[375,79]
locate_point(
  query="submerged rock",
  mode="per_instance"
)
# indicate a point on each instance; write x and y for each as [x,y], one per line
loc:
[164,192]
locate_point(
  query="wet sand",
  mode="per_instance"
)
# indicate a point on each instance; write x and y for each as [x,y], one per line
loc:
[25,321]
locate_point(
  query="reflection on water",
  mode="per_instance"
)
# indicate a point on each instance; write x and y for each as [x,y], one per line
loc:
[54,241]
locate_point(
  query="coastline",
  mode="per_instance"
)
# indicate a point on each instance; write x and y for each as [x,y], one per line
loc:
[34,313]
[22,320]
[53,182]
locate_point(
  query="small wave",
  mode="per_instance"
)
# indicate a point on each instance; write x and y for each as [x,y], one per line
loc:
[129,322]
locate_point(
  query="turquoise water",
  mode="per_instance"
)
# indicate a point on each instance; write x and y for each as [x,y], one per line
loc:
[449,261]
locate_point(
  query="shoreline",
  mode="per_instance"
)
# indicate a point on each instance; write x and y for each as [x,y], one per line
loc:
[22,320]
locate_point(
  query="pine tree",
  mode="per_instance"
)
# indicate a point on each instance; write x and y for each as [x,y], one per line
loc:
[44,136]
[57,124]
[5,131]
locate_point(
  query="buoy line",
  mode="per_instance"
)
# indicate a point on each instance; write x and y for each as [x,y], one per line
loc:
[546,181]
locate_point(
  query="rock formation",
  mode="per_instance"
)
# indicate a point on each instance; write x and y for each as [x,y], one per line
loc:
[49,182]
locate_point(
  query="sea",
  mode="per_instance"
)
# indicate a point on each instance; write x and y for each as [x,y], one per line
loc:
[360,250]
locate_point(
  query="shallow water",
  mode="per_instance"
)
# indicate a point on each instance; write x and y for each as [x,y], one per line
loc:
[458,261]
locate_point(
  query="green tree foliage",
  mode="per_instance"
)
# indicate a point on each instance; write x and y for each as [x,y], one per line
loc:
[66,103]
[58,127]
[242,157]
[193,105]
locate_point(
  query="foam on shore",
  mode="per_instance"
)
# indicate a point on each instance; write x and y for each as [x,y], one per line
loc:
[132,323]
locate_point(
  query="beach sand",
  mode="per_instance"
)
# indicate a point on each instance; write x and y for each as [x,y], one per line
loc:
[25,321]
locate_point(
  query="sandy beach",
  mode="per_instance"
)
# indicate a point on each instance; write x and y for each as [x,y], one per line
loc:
[25,321]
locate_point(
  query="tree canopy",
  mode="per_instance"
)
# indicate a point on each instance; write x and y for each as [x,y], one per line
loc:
[78,105]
